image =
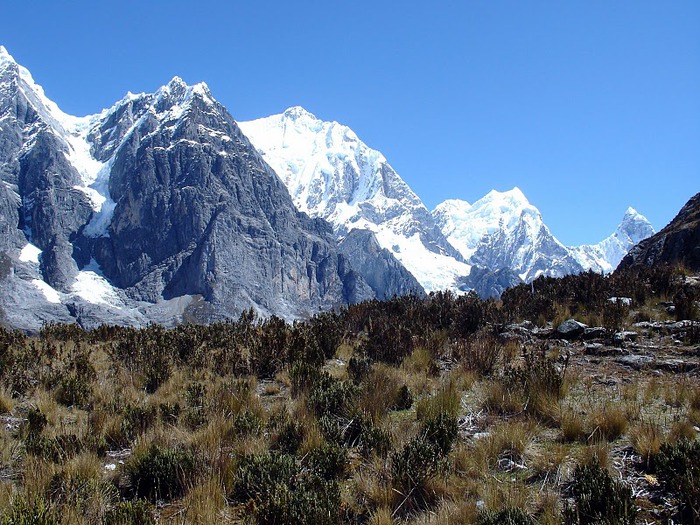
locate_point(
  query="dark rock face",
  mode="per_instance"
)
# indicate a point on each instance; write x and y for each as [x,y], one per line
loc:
[525,252]
[677,243]
[155,208]
[199,213]
[38,199]
[385,275]
[489,283]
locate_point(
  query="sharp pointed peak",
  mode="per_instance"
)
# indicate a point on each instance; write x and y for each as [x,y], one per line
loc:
[5,56]
[7,60]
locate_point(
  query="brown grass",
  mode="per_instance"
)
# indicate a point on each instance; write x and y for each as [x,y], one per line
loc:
[647,438]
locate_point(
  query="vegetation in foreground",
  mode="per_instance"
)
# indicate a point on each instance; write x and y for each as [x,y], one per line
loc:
[444,410]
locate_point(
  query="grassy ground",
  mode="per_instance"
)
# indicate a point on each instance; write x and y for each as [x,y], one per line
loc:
[353,422]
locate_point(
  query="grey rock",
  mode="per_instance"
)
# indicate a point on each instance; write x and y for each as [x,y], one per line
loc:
[636,362]
[624,336]
[596,332]
[385,275]
[571,329]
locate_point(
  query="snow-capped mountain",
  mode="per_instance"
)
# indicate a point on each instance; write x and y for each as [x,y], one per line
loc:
[147,210]
[332,174]
[607,254]
[503,230]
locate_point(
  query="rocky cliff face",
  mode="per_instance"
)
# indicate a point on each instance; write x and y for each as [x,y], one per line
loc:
[132,214]
[677,243]
[378,267]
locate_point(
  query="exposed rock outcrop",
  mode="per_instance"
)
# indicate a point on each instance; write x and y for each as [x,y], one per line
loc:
[677,243]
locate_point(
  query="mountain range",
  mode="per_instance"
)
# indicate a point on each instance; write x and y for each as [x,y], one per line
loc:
[332,174]
[162,208]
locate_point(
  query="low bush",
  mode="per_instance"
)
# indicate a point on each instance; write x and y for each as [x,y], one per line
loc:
[280,493]
[678,468]
[599,498]
[329,461]
[441,430]
[159,473]
[509,516]
[131,512]
[413,465]
[289,437]
[23,512]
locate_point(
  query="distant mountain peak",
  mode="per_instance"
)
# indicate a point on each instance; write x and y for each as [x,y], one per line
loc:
[607,254]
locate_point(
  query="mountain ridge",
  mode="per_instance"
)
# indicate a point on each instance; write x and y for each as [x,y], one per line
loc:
[131,215]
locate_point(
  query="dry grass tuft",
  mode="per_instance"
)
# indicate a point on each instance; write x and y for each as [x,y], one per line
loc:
[609,423]
[446,399]
[6,401]
[647,438]
[572,426]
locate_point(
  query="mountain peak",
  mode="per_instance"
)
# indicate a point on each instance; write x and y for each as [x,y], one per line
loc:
[5,57]
[635,226]
[513,196]
[298,112]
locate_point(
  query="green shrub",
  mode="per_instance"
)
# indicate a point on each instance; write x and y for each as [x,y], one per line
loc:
[328,331]
[329,461]
[131,512]
[332,397]
[416,463]
[375,440]
[441,430]
[136,420]
[678,468]
[159,473]
[303,376]
[282,494]
[359,368]
[538,383]
[290,437]
[509,516]
[388,340]
[268,353]
[404,399]
[599,499]
[23,512]
[304,346]
[246,423]
[36,422]
[73,390]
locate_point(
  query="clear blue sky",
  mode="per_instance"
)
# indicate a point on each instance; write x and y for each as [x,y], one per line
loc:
[587,106]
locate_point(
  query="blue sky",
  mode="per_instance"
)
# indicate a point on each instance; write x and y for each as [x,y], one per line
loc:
[587,106]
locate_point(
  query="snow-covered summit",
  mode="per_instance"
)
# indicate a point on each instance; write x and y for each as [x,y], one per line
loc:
[607,254]
[331,173]
[465,225]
